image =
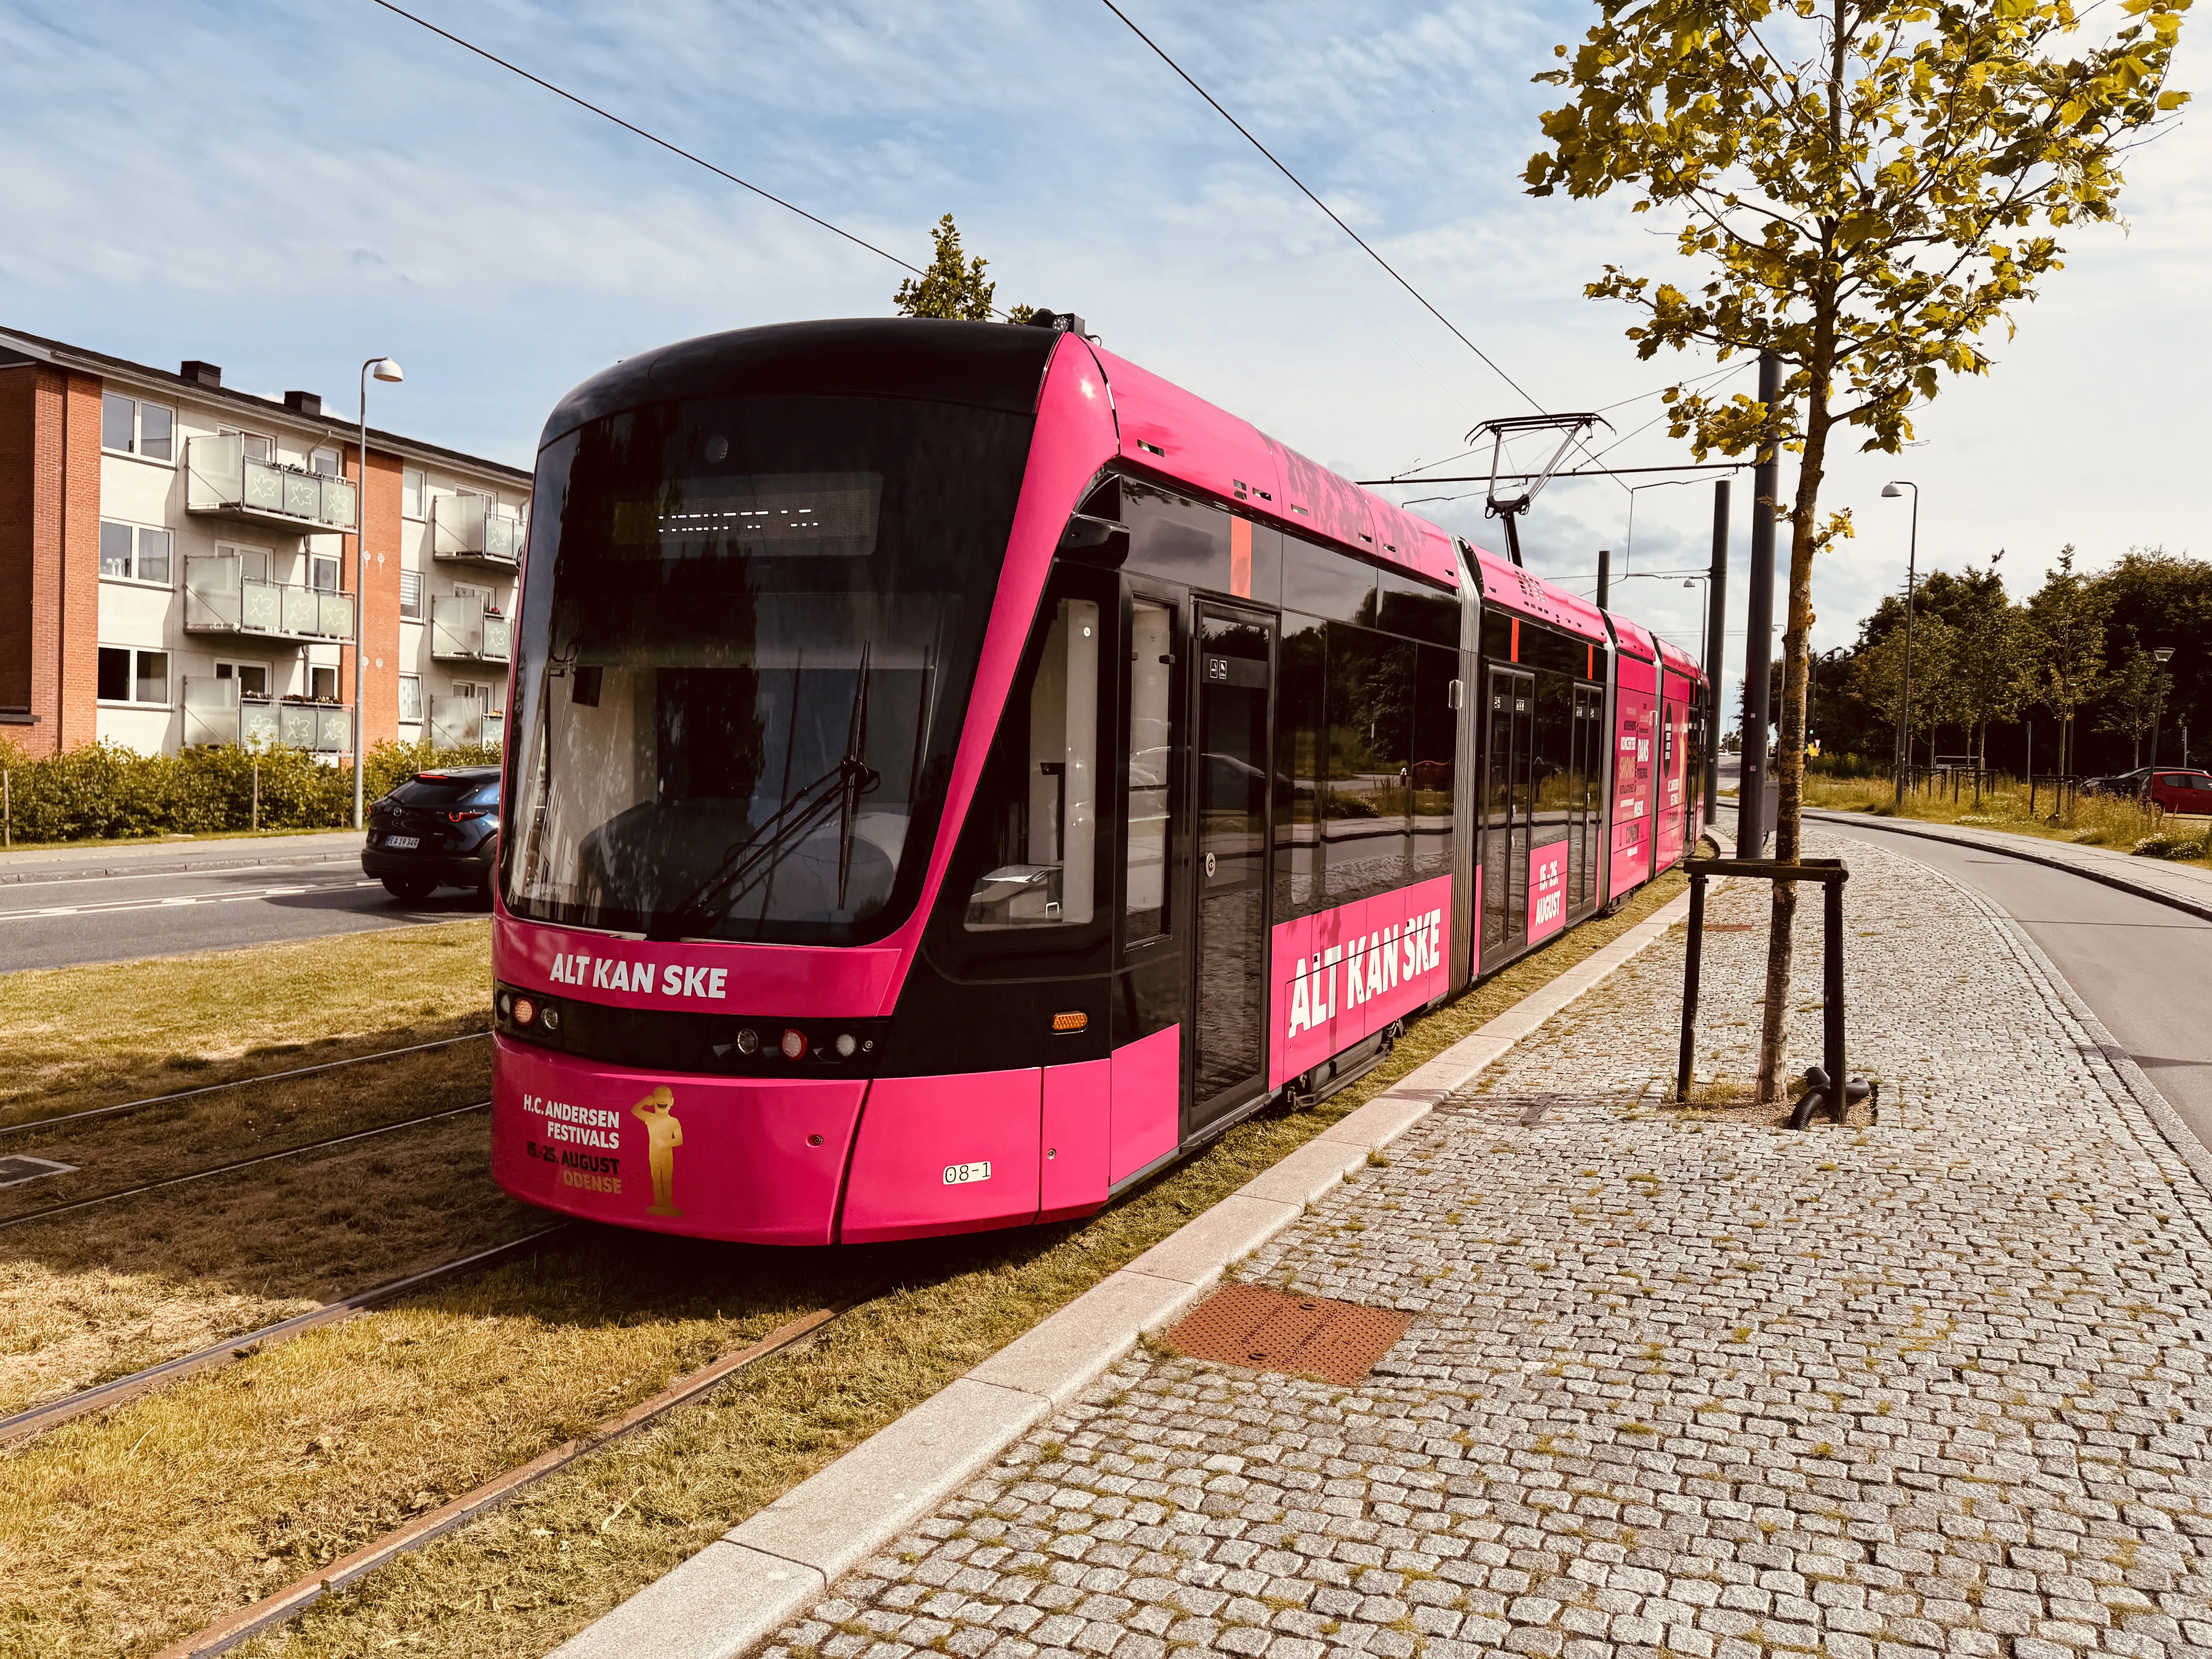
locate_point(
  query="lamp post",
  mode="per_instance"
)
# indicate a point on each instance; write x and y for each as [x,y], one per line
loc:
[1891,491]
[2162,655]
[384,369]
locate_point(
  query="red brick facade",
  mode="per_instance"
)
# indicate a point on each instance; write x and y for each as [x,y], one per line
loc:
[49,558]
[378,588]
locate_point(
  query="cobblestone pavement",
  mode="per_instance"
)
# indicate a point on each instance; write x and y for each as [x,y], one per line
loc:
[1676,1384]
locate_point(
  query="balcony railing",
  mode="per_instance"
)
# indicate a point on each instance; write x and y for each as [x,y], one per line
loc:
[221,480]
[217,714]
[467,631]
[463,723]
[220,597]
[465,527]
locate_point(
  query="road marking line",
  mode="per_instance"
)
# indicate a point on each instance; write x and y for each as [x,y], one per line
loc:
[121,906]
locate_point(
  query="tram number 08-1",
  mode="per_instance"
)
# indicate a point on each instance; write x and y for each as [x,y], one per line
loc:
[958,1175]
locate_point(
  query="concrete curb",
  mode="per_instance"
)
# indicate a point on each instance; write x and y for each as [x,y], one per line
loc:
[346,854]
[768,1571]
[2087,870]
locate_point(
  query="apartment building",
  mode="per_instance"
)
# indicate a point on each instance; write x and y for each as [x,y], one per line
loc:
[181,563]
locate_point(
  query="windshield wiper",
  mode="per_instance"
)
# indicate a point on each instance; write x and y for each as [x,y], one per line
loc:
[743,865]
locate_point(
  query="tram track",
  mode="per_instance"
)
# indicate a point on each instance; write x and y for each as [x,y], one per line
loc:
[128,1107]
[51,1211]
[25,1426]
[269,1611]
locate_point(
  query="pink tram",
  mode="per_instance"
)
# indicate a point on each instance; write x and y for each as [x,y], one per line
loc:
[954,772]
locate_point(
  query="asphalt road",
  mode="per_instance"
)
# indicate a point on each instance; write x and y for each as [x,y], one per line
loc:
[2142,967]
[57,916]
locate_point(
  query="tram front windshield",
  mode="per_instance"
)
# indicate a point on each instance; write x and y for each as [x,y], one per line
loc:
[746,650]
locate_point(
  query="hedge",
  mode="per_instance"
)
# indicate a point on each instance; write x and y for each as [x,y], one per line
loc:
[103,791]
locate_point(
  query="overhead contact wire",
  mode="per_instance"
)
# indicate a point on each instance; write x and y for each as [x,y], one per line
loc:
[650,137]
[1456,332]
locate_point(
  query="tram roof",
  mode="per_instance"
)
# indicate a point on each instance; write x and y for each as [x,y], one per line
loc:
[1508,584]
[1634,638]
[1680,662]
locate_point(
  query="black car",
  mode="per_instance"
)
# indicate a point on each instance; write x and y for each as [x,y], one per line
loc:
[437,830]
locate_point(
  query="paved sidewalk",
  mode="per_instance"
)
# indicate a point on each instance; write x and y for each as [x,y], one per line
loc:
[1699,1387]
[177,853]
[2187,884]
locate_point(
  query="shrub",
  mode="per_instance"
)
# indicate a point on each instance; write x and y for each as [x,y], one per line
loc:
[105,792]
[2175,844]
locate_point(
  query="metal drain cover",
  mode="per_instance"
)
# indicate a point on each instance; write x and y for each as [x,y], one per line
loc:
[1298,1335]
[16,1168]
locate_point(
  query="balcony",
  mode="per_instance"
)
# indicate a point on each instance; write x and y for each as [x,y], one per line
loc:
[220,482]
[217,716]
[465,723]
[464,529]
[467,631]
[220,597]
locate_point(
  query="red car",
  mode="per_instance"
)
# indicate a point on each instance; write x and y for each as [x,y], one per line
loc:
[2180,792]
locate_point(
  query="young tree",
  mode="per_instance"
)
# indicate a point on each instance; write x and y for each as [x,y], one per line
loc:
[1868,186]
[1880,670]
[2131,700]
[1985,661]
[2064,660]
[954,285]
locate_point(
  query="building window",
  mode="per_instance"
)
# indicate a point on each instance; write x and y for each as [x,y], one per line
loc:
[132,427]
[252,678]
[410,594]
[134,552]
[325,462]
[127,676]
[411,698]
[252,445]
[411,489]
[323,574]
[322,684]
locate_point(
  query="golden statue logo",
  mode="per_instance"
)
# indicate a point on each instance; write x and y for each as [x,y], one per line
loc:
[664,1134]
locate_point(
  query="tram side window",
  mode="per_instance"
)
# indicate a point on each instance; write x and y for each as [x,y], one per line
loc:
[1366,819]
[1559,790]
[1041,796]
[1300,765]
[1322,582]
[1151,703]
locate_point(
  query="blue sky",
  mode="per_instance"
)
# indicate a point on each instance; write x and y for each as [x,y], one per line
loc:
[286,190]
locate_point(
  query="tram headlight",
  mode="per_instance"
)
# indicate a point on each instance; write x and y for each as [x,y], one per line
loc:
[551,1019]
[748,1040]
[506,1006]
[794,1044]
[846,1044]
[525,1010]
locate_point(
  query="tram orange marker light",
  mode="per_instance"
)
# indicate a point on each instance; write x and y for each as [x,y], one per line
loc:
[1076,1021]
[794,1044]
[525,1010]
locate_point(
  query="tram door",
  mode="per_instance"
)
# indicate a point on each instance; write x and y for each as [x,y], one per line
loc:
[1509,801]
[1229,979]
[1588,774]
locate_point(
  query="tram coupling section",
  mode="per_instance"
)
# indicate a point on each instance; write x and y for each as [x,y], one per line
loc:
[1826,1081]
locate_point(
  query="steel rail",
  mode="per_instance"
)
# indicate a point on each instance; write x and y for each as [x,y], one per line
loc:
[38,1419]
[52,1210]
[296,1597]
[234,1083]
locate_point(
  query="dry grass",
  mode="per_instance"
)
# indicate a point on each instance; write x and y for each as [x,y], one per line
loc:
[107,1292]
[2089,820]
[83,1037]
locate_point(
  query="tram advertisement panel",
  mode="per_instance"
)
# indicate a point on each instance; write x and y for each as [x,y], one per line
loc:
[756,1158]
[1547,891]
[1341,975]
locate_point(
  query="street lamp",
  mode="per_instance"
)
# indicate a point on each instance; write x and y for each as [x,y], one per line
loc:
[1891,491]
[2162,655]
[384,369]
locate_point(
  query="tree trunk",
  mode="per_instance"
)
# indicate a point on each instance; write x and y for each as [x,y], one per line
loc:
[1789,765]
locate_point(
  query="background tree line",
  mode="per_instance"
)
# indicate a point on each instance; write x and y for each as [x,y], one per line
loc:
[2076,658]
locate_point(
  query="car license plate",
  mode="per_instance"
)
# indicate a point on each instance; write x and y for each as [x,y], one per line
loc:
[403,842]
